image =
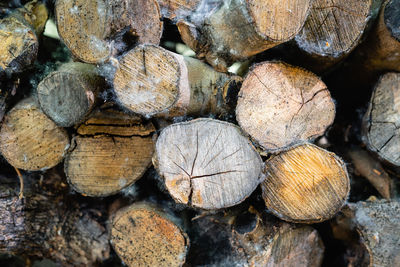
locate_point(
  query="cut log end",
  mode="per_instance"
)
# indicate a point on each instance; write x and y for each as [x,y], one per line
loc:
[112,156]
[144,236]
[382,119]
[207,163]
[177,8]
[29,140]
[305,184]
[89,27]
[288,18]
[19,45]
[68,95]
[392,18]
[148,80]
[334,28]
[296,98]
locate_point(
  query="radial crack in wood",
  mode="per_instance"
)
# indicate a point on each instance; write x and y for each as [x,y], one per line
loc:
[277,92]
[305,184]
[381,127]
[207,163]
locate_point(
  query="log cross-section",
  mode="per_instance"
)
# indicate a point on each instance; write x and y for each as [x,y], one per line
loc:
[207,163]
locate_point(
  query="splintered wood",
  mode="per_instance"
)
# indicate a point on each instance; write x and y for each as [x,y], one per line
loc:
[29,140]
[381,129]
[207,163]
[151,80]
[112,151]
[144,236]
[305,184]
[88,26]
[280,105]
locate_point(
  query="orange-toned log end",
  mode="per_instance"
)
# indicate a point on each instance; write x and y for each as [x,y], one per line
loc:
[112,151]
[305,184]
[295,98]
[29,140]
[207,163]
[144,236]
[178,8]
[381,126]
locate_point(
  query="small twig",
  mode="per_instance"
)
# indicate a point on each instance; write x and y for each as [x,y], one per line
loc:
[21,182]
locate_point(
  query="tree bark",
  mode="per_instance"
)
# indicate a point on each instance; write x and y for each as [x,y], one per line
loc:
[29,140]
[332,30]
[19,33]
[48,223]
[305,184]
[111,152]
[381,124]
[69,94]
[295,98]
[144,235]
[238,29]
[88,28]
[153,81]
[207,163]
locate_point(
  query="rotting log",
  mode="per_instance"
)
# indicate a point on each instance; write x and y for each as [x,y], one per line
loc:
[151,80]
[69,94]
[111,151]
[238,29]
[29,140]
[92,29]
[305,184]
[332,30]
[144,235]
[207,164]
[19,33]
[47,223]
[381,123]
[377,223]
[295,98]
[248,238]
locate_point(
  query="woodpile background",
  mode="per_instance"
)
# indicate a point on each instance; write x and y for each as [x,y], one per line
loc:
[200,133]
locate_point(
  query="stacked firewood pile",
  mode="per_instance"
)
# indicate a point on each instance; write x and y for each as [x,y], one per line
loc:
[200,133]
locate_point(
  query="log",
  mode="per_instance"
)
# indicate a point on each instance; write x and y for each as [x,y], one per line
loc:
[143,235]
[305,184]
[275,243]
[277,92]
[248,238]
[69,94]
[373,171]
[238,29]
[332,30]
[381,122]
[377,223]
[179,8]
[19,37]
[88,28]
[111,152]
[151,80]
[29,140]
[48,223]
[206,163]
